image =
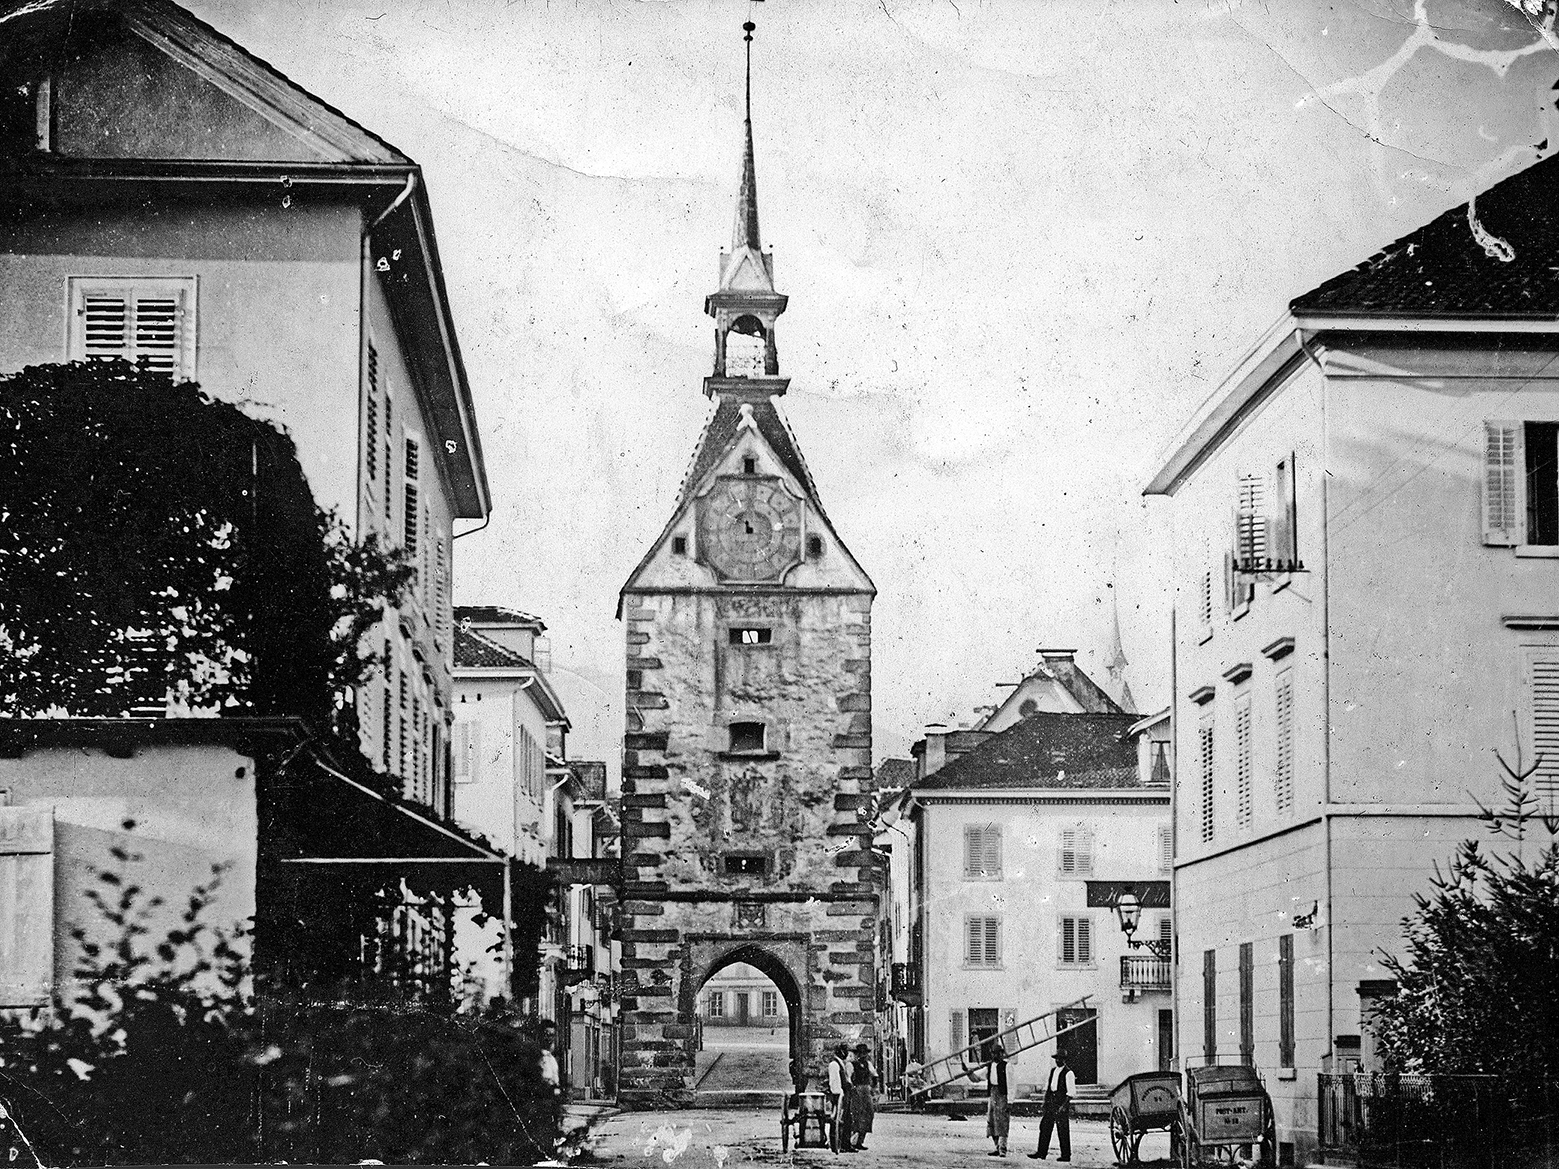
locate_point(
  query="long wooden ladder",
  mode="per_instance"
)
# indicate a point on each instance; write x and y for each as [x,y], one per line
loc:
[1038,1030]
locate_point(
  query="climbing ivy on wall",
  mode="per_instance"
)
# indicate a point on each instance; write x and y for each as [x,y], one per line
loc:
[154,541]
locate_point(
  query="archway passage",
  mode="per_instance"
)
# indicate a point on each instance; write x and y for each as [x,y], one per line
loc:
[749,1027]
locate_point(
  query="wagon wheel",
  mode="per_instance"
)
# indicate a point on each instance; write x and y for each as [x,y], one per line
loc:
[1120,1137]
[785,1125]
[1187,1150]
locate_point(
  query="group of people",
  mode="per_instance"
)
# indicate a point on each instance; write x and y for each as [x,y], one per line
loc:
[1055,1110]
[850,1083]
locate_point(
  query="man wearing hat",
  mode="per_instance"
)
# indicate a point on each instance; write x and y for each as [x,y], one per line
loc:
[1056,1112]
[839,1139]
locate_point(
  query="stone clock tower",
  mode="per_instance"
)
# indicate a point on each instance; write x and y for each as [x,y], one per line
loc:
[747,756]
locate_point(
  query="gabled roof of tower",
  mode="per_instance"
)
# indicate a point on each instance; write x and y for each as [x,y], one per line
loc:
[1491,257]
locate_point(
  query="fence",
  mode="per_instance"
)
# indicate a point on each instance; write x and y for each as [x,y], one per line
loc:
[1380,1120]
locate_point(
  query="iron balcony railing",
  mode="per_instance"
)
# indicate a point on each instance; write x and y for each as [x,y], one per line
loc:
[1144,972]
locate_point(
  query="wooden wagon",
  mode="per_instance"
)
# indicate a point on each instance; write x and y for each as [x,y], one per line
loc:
[1138,1105]
[805,1121]
[1226,1118]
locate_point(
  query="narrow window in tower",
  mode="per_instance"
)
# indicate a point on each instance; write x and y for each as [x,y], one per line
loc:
[746,738]
[745,348]
[750,635]
[814,546]
[679,545]
[749,466]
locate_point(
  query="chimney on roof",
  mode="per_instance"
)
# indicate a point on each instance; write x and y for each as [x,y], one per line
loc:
[935,757]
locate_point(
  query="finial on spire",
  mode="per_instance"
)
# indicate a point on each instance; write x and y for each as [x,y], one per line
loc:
[745,234]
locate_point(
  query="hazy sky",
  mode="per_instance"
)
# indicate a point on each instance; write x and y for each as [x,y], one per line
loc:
[1022,240]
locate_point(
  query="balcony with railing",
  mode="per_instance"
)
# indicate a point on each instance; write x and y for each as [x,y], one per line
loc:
[1144,972]
[904,984]
[578,964]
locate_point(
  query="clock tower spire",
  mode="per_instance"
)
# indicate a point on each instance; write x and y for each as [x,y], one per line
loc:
[746,304]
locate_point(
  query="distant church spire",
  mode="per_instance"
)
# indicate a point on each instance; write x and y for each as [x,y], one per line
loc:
[746,304]
[745,233]
[1117,663]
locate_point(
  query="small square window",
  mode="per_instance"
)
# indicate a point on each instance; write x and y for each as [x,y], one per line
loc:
[750,635]
[749,466]
[636,679]
[679,545]
[814,546]
[747,738]
[746,865]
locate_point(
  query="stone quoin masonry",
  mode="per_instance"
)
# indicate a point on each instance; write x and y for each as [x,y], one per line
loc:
[747,756]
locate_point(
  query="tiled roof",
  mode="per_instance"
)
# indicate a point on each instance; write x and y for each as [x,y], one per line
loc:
[495,615]
[1047,750]
[721,430]
[893,774]
[475,652]
[1497,262]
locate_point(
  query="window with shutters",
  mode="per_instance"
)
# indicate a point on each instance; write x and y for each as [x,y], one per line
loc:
[389,465]
[1242,776]
[1075,945]
[982,852]
[1204,599]
[148,319]
[1210,1005]
[371,417]
[1286,1000]
[387,744]
[1076,853]
[1247,1004]
[403,741]
[411,512]
[1521,483]
[1250,538]
[982,941]
[955,1030]
[26,906]
[1542,716]
[465,751]
[1166,849]
[1283,771]
[1204,745]
[1166,934]
[441,608]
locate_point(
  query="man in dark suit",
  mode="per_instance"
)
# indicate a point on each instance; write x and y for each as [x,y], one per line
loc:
[1057,1111]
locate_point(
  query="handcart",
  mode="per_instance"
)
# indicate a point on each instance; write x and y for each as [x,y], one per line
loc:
[805,1113]
[1226,1118]
[1139,1104]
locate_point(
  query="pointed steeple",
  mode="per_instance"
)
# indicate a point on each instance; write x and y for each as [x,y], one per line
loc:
[746,305]
[745,233]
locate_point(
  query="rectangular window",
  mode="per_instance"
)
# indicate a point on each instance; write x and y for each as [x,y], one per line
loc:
[1283,772]
[982,852]
[1204,737]
[1521,483]
[1076,942]
[146,319]
[1542,482]
[717,1004]
[771,1004]
[982,941]
[747,738]
[1166,849]
[1542,695]
[1210,1005]
[1242,780]
[1166,934]
[750,635]
[679,545]
[1247,1005]
[1077,850]
[1286,1000]
[746,865]
[411,514]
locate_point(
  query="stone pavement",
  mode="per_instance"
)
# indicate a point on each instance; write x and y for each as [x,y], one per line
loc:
[731,1138]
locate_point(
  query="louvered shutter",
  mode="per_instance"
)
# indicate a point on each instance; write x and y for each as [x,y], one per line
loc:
[389,463]
[1242,769]
[1068,850]
[992,942]
[1166,849]
[1084,861]
[26,906]
[1166,933]
[1084,941]
[1543,713]
[159,321]
[411,517]
[1205,748]
[993,850]
[1251,524]
[1068,939]
[974,941]
[105,325]
[371,420]
[1283,778]
[462,752]
[1503,506]
[1205,599]
[971,851]
[955,1031]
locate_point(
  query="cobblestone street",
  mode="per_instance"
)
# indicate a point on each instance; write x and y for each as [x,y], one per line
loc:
[728,1138]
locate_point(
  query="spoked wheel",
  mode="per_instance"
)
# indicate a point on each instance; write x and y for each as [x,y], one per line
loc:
[1120,1137]
[1187,1149]
[785,1125]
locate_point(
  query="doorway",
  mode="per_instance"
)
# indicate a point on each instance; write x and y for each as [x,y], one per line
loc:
[1081,1047]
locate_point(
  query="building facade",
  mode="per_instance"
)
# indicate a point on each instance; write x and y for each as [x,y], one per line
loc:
[172,200]
[748,749]
[1364,614]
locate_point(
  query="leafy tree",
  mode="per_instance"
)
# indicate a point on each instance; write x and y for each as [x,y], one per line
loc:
[155,541]
[1478,982]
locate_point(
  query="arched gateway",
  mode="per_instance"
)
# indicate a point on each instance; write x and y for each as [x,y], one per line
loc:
[747,757]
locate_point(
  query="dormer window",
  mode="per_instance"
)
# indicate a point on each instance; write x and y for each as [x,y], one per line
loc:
[747,738]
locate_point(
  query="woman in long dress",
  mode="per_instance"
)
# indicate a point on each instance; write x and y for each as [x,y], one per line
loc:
[862,1076]
[994,1073]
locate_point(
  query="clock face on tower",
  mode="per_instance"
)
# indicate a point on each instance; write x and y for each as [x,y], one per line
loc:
[749,529]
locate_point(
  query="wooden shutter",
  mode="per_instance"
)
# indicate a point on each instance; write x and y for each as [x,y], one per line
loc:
[1166,849]
[1068,939]
[1503,472]
[159,321]
[1242,776]
[993,850]
[26,906]
[1205,599]
[371,420]
[1286,1000]
[1251,525]
[1247,1004]
[105,325]
[992,941]
[1205,751]
[973,846]
[389,463]
[1084,857]
[1543,717]
[955,1031]
[1084,940]
[411,516]
[1210,1005]
[1166,933]
[1283,775]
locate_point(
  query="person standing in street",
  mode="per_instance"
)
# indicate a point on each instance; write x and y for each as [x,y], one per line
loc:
[838,1100]
[862,1078]
[1056,1111]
